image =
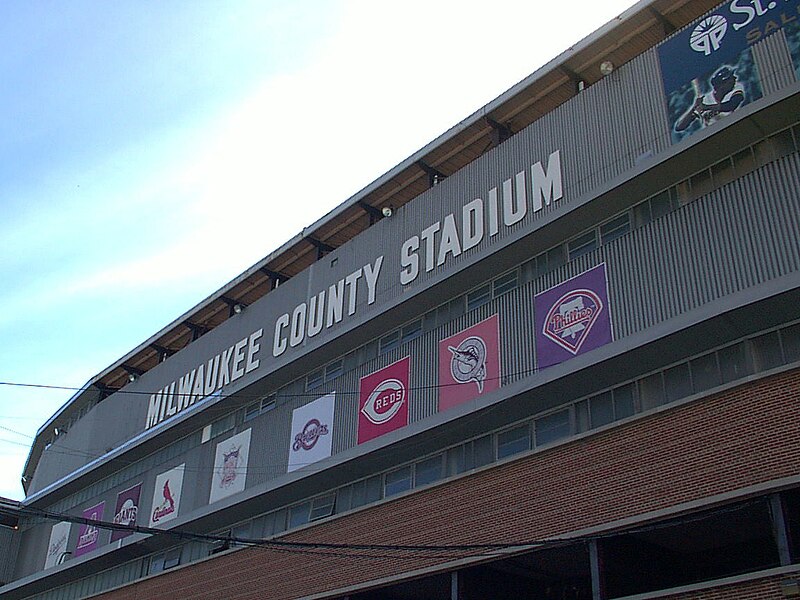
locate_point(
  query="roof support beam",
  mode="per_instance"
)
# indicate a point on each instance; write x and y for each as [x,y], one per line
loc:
[669,28]
[163,353]
[322,247]
[232,305]
[575,77]
[275,277]
[500,133]
[196,329]
[105,391]
[434,175]
[375,214]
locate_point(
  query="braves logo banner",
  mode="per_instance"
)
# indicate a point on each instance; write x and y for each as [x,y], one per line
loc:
[230,466]
[312,432]
[708,70]
[88,535]
[167,496]
[126,511]
[572,317]
[469,363]
[383,405]
[59,537]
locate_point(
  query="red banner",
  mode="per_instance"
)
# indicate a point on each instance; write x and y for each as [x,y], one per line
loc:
[383,405]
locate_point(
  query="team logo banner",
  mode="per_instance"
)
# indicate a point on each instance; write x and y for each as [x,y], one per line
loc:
[383,405]
[230,466]
[59,538]
[167,496]
[88,535]
[708,70]
[572,317]
[312,432]
[469,363]
[126,511]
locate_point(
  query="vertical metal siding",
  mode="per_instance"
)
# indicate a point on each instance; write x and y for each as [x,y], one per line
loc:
[774,63]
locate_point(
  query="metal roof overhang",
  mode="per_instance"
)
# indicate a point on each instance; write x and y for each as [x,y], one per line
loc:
[632,33]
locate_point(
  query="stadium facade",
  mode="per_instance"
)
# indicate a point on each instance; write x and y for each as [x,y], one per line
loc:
[554,354]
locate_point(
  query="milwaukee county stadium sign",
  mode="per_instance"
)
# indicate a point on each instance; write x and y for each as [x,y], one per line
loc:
[475,225]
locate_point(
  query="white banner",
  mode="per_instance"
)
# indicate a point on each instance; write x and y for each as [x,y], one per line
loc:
[59,537]
[167,496]
[230,466]
[312,432]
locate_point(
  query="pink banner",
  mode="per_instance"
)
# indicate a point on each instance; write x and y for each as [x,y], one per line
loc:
[383,405]
[469,363]
[88,535]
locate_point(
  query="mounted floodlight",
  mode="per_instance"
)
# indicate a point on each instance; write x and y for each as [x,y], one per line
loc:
[387,211]
[606,68]
[238,308]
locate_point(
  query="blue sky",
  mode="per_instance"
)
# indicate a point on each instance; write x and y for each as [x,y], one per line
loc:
[148,148]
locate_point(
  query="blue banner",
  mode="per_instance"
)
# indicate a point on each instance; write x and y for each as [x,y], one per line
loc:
[793,39]
[708,69]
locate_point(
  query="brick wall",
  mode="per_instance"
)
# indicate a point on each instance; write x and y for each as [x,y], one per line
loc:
[724,442]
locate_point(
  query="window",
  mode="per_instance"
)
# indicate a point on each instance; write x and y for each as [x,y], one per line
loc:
[411,331]
[479,297]
[766,351]
[582,244]
[505,283]
[624,401]
[222,425]
[322,507]
[299,514]
[615,228]
[398,481]
[733,362]
[601,410]
[480,452]
[651,391]
[334,369]
[513,441]
[428,471]
[705,372]
[552,427]
[790,337]
[677,382]
[315,379]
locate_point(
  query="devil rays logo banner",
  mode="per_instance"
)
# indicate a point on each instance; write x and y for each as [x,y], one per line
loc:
[469,363]
[167,496]
[126,511]
[572,317]
[230,466]
[312,432]
[383,400]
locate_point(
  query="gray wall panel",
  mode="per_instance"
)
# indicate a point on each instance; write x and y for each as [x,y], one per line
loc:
[774,63]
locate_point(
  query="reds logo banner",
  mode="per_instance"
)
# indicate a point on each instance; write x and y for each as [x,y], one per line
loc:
[572,317]
[469,363]
[312,432]
[383,405]
[167,496]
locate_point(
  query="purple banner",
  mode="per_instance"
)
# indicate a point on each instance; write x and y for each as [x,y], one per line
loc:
[572,318]
[88,534]
[126,511]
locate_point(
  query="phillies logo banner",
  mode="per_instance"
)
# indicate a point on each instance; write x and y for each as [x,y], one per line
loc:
[312,432]
[383,401]
[469,363]
[230,466]
[126,511]
[572,318]
[167,496]
[59,537]
[88,535]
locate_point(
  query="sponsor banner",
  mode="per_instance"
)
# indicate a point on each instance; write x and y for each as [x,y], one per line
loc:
[88,535]
[708,70]
[126,511]
[312,432]
[230,466]
[793,39]
[383,401]
[167,496]
[59,538]
[572,318]
[469,363]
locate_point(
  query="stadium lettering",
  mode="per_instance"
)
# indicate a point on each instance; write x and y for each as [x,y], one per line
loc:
[205,379]
[441,241]
[325,309]
[750,9]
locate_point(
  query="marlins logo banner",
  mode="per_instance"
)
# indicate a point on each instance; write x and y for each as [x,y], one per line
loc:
[59,538]
[469,363]
[89,535]
[167,496]
[230,466]
[383,405]
[572,317]
[126,511]
[312,432]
